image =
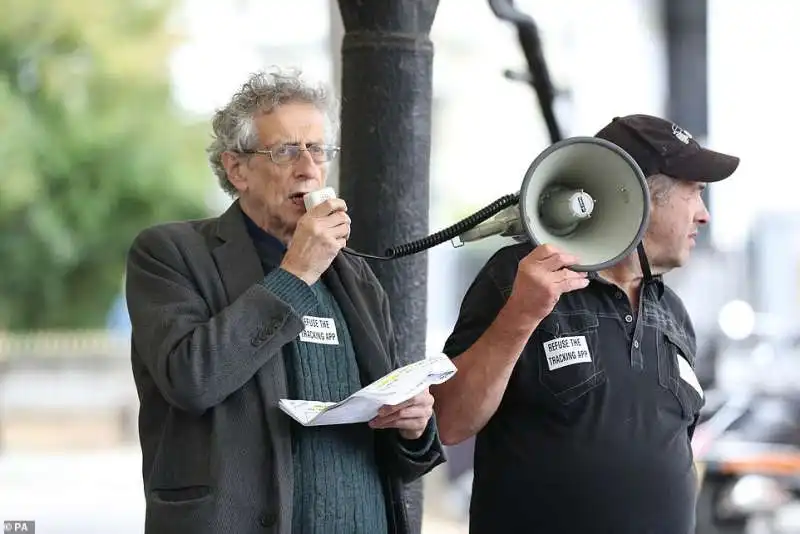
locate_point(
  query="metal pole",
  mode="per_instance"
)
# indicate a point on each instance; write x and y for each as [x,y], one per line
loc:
[387,64]
[686,29]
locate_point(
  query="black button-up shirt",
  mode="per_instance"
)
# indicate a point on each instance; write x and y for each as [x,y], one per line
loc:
[593,432]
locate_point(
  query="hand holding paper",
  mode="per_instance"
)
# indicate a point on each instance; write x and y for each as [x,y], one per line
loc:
[410,417]
[400,386]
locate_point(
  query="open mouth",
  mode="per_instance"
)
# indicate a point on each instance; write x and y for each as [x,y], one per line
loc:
[297,199]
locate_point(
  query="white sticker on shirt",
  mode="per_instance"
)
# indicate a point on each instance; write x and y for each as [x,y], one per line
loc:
[687,374]
[565,351]
[319,330]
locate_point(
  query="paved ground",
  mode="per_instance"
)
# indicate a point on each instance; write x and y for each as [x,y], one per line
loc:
[98,492]
[92,485]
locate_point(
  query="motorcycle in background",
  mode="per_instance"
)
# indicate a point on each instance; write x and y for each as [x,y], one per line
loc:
[747,449]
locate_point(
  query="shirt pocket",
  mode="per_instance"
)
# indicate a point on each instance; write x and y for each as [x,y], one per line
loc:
[568,361]
[677,374]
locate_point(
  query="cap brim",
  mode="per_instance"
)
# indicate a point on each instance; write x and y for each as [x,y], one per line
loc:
[705,166]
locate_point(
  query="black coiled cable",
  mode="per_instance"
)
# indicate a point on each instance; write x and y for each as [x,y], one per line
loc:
[447,234]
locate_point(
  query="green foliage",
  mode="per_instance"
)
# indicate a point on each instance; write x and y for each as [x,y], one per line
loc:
[92,151]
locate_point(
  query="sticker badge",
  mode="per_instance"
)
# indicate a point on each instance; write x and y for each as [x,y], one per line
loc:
[688,376]
[566,351]
[320,330]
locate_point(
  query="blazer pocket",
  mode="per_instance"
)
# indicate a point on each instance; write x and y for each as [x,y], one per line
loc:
[187,510]
[184,495]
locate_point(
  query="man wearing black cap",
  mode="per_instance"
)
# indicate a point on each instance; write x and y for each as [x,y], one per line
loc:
[601,443]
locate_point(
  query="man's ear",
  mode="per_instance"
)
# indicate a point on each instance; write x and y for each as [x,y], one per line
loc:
[233,168]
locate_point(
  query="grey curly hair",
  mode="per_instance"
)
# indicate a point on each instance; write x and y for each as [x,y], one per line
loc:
[233,125]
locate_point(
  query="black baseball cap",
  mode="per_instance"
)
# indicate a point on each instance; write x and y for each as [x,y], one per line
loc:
[662,147]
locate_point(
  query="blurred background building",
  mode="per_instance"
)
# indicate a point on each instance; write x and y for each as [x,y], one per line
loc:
[104,109]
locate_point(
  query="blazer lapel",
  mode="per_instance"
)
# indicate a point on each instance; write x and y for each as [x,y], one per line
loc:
[372,357]
[236,258]
[240,268]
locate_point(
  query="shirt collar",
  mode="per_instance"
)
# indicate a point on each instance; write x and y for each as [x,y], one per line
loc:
[656,281]
[263,238]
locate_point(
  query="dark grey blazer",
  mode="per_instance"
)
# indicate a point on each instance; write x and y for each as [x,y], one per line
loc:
[216,448]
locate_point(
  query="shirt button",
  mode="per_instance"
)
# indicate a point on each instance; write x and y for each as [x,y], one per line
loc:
[636,344]
[618,294]
[628,318]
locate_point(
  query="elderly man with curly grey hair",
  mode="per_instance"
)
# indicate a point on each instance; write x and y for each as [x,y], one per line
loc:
[226,315]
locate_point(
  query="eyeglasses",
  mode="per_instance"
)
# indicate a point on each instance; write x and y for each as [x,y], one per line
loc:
[289,153]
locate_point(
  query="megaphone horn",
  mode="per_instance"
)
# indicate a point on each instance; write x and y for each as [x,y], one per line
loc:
[587,197]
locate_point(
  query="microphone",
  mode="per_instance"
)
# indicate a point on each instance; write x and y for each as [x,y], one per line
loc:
[318,197]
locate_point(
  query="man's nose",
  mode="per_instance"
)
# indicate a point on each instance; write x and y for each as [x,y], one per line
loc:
[305,167]
[703,217]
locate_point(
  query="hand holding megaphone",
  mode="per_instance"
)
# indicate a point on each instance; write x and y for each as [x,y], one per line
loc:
[542,277]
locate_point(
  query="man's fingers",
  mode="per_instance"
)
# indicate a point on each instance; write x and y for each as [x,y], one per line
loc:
[557,261]
[336,226]
[341,232]
[543,251]
[566,274]
[338,218]
[422,399]
[389,409]
[571,283]
[328,207]
[403,418]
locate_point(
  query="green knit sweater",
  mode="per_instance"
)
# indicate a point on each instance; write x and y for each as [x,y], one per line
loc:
[337,486]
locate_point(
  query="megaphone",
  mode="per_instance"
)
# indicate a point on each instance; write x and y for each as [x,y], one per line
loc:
[584,195]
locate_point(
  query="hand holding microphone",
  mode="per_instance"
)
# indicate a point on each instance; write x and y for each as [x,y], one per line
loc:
[321,233]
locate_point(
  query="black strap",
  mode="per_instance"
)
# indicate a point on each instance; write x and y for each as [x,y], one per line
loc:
[646,273]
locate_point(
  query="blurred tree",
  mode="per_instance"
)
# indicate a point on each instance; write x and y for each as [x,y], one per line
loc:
[92,148]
